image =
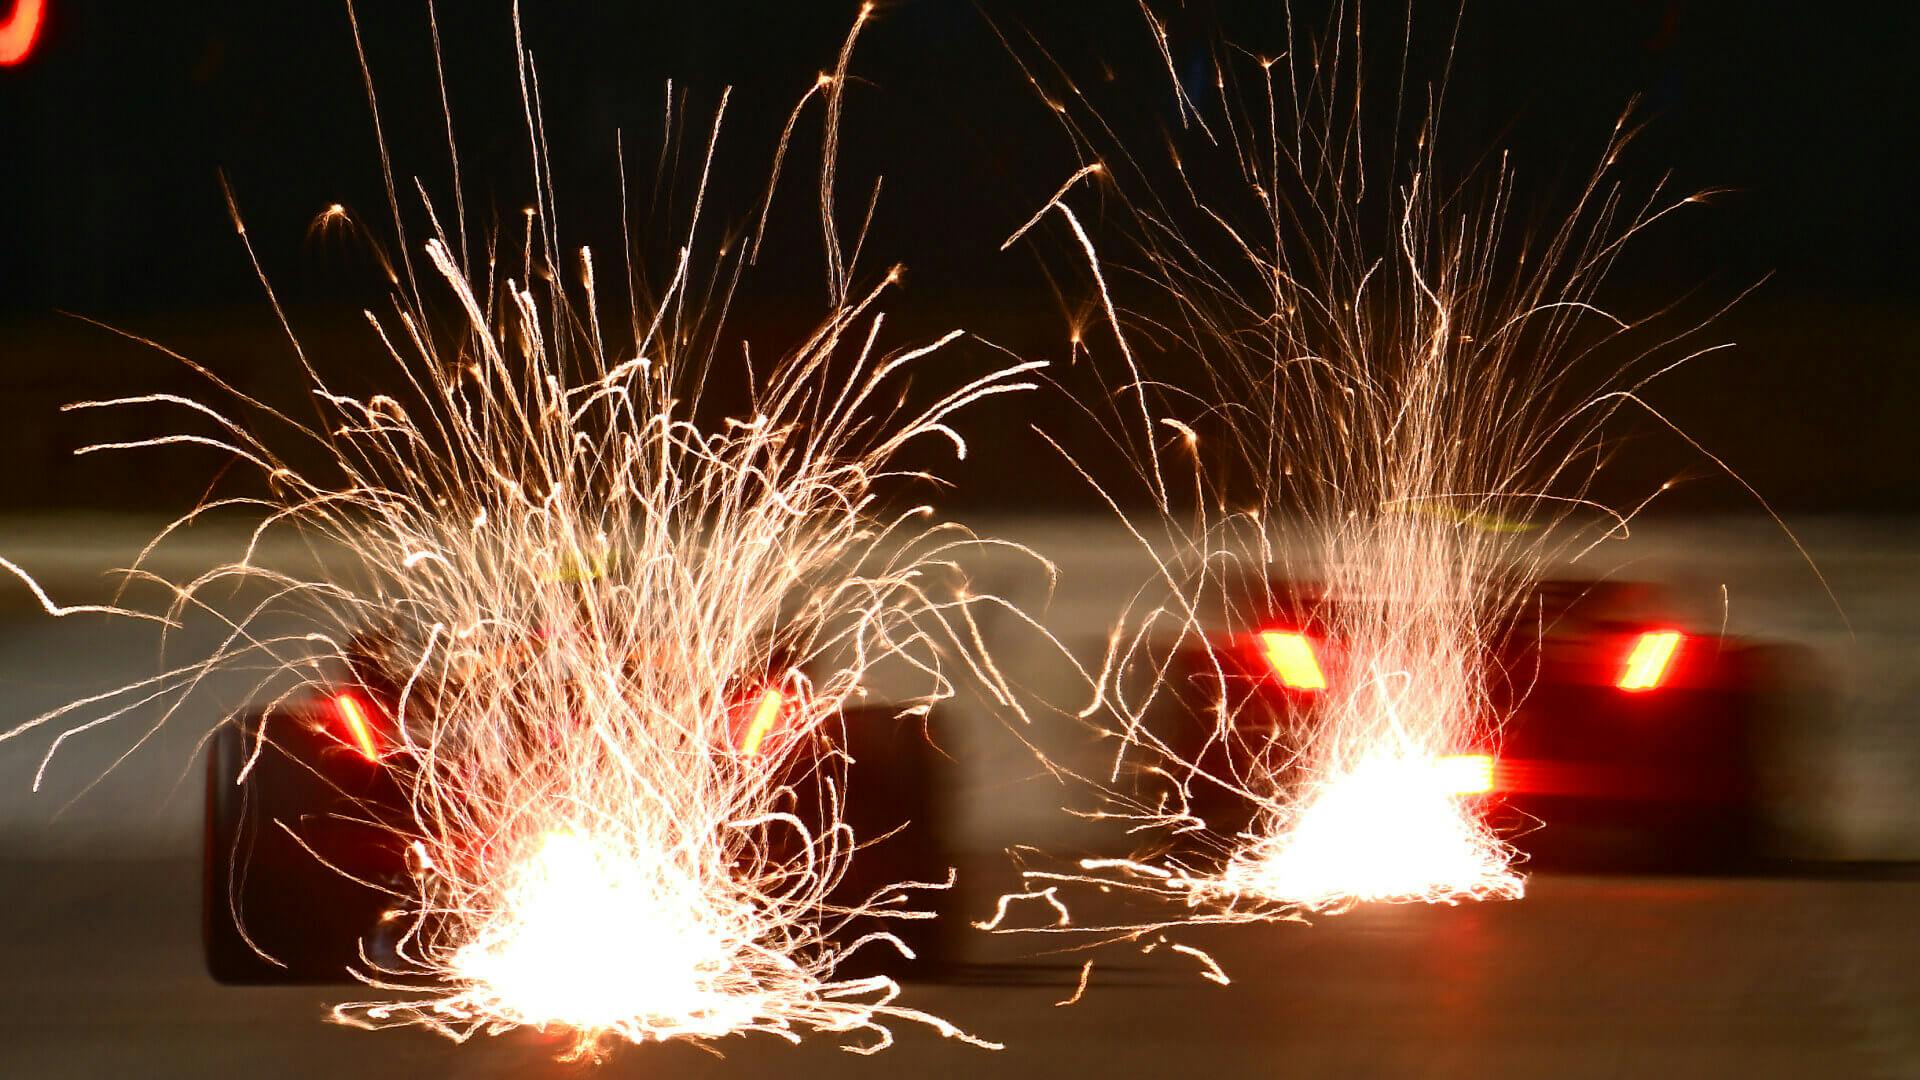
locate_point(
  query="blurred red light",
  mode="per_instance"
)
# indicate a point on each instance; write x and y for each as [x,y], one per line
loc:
[1290,655]
[20,30]
[1649,662]
[765,712]
[354,716]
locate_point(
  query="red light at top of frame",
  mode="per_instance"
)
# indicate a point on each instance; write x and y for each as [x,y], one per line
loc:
[1650,661]
[1290,654]
[354,715]
[20,30]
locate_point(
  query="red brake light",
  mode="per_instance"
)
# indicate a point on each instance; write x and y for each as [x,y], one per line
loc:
[1465,774]
[354,716]
[1650,661]
[1290,654]
[19,29]
[765,712]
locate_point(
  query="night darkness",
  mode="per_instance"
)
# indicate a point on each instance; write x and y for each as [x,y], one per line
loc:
[116,132]
[580,693]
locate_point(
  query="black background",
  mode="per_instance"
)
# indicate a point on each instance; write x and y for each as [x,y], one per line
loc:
[114,135]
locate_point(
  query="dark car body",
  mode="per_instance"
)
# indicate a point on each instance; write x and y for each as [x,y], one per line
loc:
[1614,725]
[304,858]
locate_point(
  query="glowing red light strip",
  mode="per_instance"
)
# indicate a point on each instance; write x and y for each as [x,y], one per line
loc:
[1647,664]
[356,718]
[1291,656]
[18,33]
[764,714]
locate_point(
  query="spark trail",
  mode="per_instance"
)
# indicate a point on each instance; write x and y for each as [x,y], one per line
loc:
[575,568]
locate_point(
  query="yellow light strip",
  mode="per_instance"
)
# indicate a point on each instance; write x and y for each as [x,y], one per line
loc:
[1647,665]
[357,726]
[764,714]
[1292,659]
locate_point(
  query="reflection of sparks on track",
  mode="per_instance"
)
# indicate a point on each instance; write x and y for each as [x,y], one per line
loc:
[569,570]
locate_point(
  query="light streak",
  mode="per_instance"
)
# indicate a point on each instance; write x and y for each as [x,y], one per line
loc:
[765,713]
[1291,656]
[356,720]
[564,563]
[20,30]
[1647,664]
[1079,989]
[1213,972]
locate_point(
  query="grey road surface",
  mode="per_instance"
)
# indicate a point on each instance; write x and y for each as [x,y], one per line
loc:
[1811,974]
[1587,977]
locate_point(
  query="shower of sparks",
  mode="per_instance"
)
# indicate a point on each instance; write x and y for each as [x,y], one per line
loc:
[1366,411]
[621,628]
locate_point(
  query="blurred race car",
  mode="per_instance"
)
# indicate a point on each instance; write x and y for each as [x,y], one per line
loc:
[1627,731]
[304,857]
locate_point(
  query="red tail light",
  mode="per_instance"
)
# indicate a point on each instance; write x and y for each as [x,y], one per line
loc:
[353,717]
[1650,661]
[1465,774]
[19,29]
[1290,654]
[766,712]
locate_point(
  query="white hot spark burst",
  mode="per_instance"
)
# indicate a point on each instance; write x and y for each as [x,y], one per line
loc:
[574,566]
[1354,396]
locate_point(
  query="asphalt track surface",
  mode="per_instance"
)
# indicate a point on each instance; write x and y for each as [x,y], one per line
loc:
[1736,976]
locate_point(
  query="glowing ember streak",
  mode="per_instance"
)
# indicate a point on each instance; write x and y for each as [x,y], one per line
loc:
[356,720]
[1646,666]
[20,30]
[764,715]
[1291,656]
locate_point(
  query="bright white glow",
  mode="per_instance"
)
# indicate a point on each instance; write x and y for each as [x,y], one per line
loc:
[1465,774]
[597,938]
[1390,829]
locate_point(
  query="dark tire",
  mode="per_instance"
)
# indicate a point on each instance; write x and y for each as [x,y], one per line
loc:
[1792,694]
[225,868]
[272,913]
[896,790]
